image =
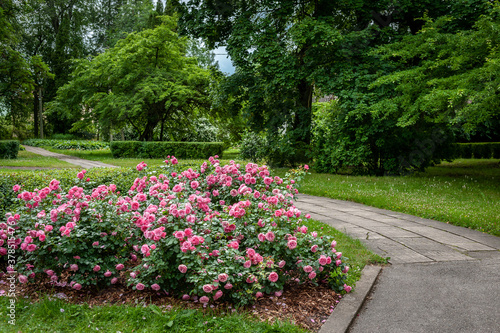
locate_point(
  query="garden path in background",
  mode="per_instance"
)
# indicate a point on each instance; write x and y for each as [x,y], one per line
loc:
[86,164]
[443,278]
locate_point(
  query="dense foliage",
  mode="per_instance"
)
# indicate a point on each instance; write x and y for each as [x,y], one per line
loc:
[221,232]
[145,80]
[9,148]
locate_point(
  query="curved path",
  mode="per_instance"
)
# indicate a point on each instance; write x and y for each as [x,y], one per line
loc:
[86,164]
[443,278]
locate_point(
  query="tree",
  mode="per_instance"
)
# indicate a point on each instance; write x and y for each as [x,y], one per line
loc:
[384,118]
[144,81]
[16,82]
[285,51]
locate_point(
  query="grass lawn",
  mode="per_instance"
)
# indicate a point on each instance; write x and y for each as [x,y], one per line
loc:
[464,193]
[27,159]
[60,316]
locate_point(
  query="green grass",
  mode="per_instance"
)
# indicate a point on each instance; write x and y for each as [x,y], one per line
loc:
[27,159]
[59,316]
[464,193]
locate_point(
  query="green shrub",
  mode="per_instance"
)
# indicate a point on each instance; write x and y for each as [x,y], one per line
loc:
[482,150]
[9,148]
[361,141]
[67,144]
[162,149]
[252,146]
[495,147]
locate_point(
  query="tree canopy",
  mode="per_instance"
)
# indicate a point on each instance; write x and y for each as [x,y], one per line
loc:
[145,80]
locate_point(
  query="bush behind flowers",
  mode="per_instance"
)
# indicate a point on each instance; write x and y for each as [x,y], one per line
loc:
[219,233]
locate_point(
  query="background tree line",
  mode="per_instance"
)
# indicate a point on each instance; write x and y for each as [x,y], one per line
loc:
[406,78]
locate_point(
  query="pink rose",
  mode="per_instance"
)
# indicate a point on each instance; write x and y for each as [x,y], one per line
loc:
[292,244]
[204,299]
[185,297]
[182,268]
[96,268]
[273,277]
[73,267]
[207,288]
[223,277]
[119,267]
[77,286]
[107,274]
[308,269]
[312,275]
[270,236]
[155,287]
[347,288]
[228,286]
[322,260]
[114,280]
[22,279]
[139,286]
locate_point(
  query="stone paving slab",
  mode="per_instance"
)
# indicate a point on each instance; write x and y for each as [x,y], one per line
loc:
[86,164]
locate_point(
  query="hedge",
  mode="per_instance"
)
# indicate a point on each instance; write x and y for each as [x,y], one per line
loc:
[67,144]
[162,149]
[9,148]
[478,150]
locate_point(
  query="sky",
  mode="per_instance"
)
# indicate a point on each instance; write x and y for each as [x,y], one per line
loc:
[225,64]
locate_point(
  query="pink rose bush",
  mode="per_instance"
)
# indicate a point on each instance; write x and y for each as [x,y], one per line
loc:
[219,233]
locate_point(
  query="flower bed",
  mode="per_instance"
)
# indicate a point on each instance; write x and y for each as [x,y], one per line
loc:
[221,233]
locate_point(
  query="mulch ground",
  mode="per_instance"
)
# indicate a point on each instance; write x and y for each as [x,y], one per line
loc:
[305,305]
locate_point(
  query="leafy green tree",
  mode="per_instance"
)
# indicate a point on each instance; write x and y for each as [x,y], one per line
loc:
[16,82]
[144,81]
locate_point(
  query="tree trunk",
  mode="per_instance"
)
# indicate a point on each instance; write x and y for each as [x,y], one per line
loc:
[40,111]
[35,114]
[302,122]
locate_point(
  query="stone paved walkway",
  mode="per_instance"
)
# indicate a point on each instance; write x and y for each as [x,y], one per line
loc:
[402,237]
[443,278]
[86,164]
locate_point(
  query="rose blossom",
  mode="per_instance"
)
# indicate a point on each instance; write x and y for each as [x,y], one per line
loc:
[273,277]
[139,286]
[182,268]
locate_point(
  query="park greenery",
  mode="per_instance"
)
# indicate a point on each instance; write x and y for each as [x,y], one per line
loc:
[399,81]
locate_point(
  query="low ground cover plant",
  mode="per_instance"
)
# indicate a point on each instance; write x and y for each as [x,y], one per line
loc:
[67,144]
[226,233]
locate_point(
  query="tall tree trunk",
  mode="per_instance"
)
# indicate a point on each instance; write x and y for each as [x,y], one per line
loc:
[302,121]
[35,114]
[40,111]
